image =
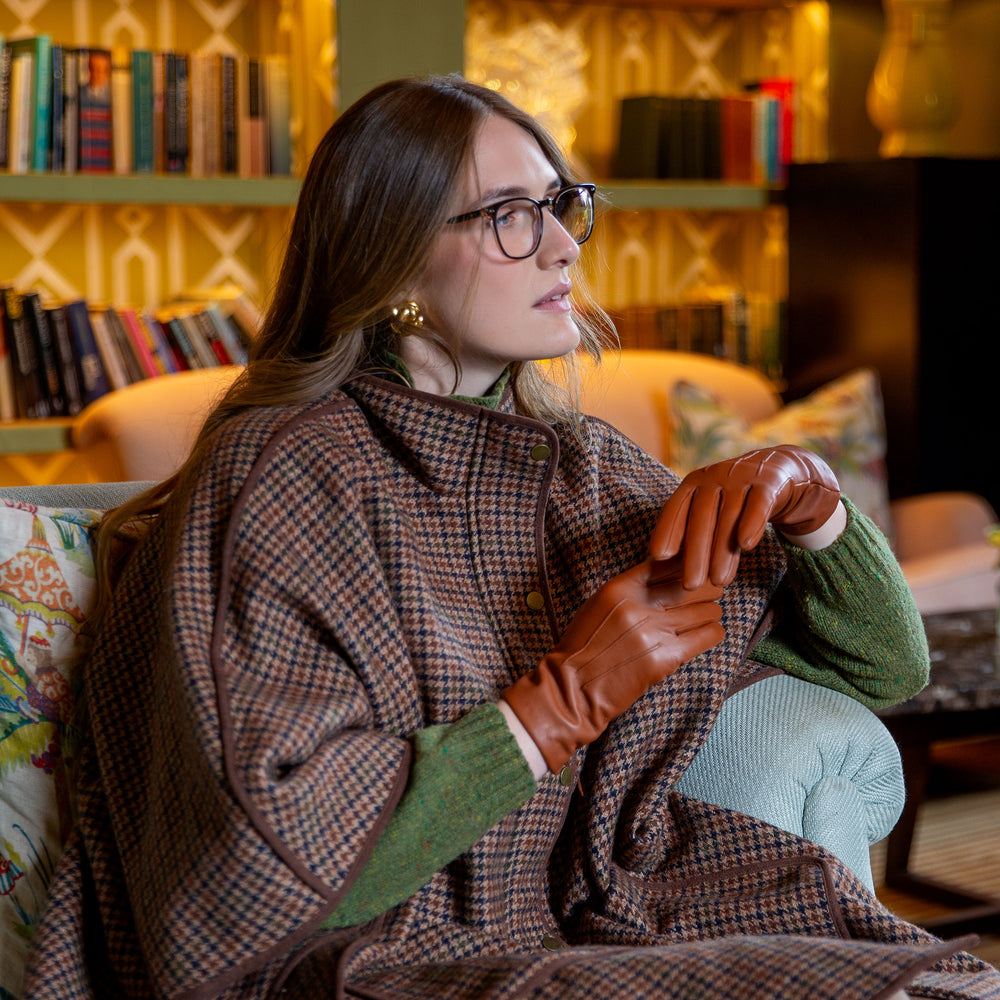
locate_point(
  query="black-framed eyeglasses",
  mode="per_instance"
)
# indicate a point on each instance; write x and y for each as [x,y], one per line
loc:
[517,222]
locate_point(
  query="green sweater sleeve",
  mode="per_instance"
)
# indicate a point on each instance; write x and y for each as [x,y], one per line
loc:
[850,620]
[466,777]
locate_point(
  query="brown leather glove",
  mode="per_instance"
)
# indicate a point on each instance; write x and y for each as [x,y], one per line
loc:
[637,629]
[722,509]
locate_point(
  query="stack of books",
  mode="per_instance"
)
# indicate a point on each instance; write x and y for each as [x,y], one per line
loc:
[95,110]
[55,358]
[721,321]
[742,138]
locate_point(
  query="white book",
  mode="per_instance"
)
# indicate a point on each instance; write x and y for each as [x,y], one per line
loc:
[108,350]
[22,71]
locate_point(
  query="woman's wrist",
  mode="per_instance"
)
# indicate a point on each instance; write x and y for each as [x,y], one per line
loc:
[826,534]
[527,746]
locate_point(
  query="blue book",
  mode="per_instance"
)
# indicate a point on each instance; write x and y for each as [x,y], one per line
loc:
[94,381]
[40,49]
[142,111]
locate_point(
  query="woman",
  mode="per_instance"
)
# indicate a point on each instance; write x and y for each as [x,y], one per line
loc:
[397,686]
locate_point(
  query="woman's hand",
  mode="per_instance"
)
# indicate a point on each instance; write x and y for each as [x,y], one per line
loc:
[637,629]
[721,510]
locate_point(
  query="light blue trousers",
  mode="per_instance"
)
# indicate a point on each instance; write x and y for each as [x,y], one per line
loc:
[806,759]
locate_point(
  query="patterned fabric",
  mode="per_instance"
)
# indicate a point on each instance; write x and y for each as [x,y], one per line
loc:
[46,586]
[842,421]
[336,580]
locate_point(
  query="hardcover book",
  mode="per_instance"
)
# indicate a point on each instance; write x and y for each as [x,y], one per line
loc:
[71,111]
[279,115]
[69,373]
[107,346]
[32,399]
[121,111]
[22,71]
[58,140]
[142,111]
[39,50]
[94,74]
[94,381]
[45,352]
[4,101]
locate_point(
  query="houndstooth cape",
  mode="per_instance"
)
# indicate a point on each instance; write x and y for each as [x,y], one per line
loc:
[340,576]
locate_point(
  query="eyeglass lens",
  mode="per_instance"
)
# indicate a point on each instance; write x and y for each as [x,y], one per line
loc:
[518,222]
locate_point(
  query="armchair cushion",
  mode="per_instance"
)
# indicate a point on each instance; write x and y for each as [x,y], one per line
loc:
[46,591]
[842,421]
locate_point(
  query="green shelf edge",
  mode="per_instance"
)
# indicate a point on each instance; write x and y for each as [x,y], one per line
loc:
[694,195]
[157,189]
[35,437]
[161,189]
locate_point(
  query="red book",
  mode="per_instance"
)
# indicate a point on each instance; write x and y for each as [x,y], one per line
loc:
[736,123]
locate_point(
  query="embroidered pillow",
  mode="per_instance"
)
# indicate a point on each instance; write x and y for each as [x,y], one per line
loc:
[46,590]
[843,422]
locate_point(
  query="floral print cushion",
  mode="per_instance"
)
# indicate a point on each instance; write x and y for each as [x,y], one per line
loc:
[46,590]
[843,422]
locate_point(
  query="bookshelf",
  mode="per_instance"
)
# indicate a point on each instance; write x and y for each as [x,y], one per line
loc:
[176,230]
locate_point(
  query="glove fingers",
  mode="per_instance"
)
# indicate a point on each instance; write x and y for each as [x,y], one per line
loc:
[668,534]
[699,540]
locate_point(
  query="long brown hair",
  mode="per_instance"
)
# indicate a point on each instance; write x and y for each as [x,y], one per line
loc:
[372,202]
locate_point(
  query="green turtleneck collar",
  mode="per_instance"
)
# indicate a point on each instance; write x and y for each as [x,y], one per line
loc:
[395,365]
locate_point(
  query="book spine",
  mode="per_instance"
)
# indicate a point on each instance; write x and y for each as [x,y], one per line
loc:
[107,346]
[69,373]
[212,337]
[159,107]
[121,111]
[211,116]
[71,112]
[279,115]
[178,162]
[126,349]
[95,110]
[21,72]
[198,111]
[58,141]
[229,161]
[42,127]
[45,352]
[199,341]
[142,111]
[32,402]
[94,381]
[159,345]
[151,365]
[226,333]
[5,54]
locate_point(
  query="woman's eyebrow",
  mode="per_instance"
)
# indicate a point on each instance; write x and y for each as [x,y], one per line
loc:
[513,191]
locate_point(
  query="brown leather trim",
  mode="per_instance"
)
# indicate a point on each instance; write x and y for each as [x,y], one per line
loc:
[211,988]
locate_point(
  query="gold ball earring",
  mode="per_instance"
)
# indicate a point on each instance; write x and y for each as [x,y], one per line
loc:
[407,318]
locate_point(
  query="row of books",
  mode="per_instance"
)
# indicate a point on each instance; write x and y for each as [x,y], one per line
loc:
[55,358]
[743,138]
[96,110]
[726,323]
